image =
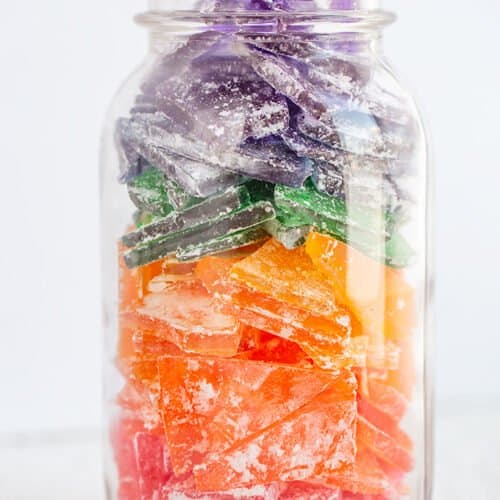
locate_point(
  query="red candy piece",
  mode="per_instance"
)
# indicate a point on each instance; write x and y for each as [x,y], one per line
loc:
[125,458]
[152,462]
[263,346]
[315,440]
[299,490]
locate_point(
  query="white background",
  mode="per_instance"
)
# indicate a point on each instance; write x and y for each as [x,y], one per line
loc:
[60,63]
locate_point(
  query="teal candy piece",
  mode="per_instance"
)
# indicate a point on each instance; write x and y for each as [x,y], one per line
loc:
[148,192]
[205,230]
[209,209]
[225,243]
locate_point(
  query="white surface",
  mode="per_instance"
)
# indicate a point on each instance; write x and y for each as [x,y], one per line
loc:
[55,468]
[62,61]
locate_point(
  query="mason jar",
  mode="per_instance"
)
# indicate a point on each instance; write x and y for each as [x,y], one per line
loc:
[265,260]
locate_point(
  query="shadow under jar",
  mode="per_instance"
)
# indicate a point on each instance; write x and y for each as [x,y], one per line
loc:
[264,205]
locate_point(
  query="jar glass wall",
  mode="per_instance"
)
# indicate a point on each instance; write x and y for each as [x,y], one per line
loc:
[264,263]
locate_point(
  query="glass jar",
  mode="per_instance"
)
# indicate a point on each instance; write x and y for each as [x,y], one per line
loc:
[264,204]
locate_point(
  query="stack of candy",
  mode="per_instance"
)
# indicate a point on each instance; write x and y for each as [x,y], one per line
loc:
[265,317]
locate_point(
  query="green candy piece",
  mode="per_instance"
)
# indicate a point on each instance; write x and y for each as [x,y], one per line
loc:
[223,244]
[143,218]
[211,208]
[357,226]
[244,218]
[321,205]
[289,236]
[178,197]
[260,190]
[148,192]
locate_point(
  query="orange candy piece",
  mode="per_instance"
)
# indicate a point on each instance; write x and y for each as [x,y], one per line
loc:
[288,276]
[378,295]
[323,339]
[312,441]
[210,404]
[364,477]
[185,314]
[394,449]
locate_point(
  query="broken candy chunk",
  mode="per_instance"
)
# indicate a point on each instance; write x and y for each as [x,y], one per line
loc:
[385,398]
[272,349]
[289,237]
[289,276]
[185,314]
[203,230]
[210,404]
[148,192]
[395,450]
[365,477]
[223,244]
[300,490]
[177,222]
[379,296]
[315,440]
[141,462]
[153,465]
[323,339]
[225,102]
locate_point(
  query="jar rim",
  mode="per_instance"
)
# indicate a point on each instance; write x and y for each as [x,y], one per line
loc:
[337,20]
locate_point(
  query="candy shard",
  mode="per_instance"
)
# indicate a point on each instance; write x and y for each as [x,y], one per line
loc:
[185,315]
[286,78]
[323,339]
[393,450]
[312,441]
[210,404]
[211,208]
[289,237]
[154,137]
[364,477]
[148,192]
[287,275]
[223,243]
[245,218]
[224,101]
[299,490]
[179,60]
[379,296]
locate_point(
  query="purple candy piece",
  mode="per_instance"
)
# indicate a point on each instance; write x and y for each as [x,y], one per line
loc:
[359,133]
[178,61]
[130,162]
[208,6]
[159,141]
[271,160]
[346,79]
[143,137]
[223,103]
[308,148]
[286,78]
